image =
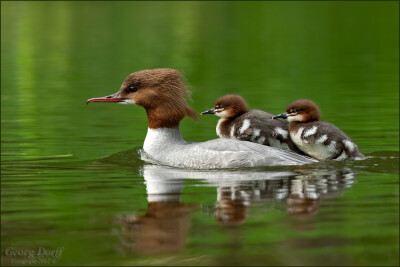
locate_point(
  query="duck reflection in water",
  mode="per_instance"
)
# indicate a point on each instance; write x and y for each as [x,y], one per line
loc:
[230,208]
[309,186]
[303,200]
[163,228]
[165,225]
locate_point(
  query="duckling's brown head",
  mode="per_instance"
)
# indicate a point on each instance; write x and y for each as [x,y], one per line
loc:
[302,110]
[228,106]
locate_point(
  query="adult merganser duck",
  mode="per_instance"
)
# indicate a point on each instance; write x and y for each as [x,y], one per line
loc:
[162,93]
[321,140]
[238,122]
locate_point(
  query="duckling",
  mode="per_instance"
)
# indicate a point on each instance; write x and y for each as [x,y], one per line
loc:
[320,140]
[238,122]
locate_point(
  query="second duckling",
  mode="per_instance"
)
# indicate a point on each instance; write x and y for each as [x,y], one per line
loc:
[238,122]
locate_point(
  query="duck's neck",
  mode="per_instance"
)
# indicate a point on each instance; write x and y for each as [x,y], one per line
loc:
[159,138]
[163,117]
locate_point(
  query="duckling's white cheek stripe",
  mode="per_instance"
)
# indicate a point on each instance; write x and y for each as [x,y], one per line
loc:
[311,131]
[222,114]
[295,118]
[245,126]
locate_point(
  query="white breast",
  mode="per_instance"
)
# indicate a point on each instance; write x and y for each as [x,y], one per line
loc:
[159,140]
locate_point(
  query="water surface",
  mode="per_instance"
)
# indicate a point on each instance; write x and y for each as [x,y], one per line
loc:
[73,181]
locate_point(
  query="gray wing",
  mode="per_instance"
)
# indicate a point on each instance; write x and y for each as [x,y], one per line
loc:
[271,132]
[251,154]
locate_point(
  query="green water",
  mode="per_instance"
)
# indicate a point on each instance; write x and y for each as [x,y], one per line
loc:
[72,178]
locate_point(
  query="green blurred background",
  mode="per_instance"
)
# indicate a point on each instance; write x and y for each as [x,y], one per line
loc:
[342,55]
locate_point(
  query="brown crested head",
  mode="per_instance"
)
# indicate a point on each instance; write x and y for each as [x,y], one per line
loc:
[303,110]
[230,106]
[162,92]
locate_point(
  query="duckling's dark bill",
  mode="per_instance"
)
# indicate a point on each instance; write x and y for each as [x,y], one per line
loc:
[282,115]
[210,111]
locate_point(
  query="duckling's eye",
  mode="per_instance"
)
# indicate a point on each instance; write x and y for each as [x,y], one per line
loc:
[132,89]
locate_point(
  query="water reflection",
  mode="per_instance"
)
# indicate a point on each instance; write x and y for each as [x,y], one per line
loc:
[162,229]
[310,186]
[164,226]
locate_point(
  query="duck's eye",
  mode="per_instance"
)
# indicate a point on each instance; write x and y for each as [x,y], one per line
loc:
[292,111]
[132,89]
